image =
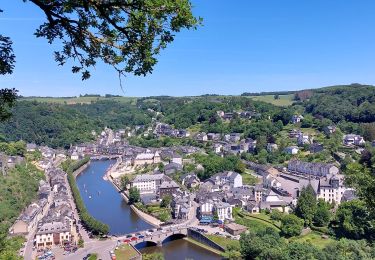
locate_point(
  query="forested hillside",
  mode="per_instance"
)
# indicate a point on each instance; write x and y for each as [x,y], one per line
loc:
[351,107]
[354,103]
[17,190]
[59,125]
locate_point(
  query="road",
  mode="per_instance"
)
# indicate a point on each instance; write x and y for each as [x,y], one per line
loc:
[102,248]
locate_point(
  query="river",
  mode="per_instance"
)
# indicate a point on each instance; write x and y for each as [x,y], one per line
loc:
[105,204]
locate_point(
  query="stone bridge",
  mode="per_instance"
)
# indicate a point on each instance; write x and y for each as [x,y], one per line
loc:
[158,237]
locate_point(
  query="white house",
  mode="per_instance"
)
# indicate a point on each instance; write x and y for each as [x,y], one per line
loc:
[228,177]
[352,139]
[206,208]
[147,183]
[296,119]
[223,210]
[291,150]
[331,188]
[303,139]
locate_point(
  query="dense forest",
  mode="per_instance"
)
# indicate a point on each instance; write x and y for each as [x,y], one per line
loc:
[59,125]
[354,103]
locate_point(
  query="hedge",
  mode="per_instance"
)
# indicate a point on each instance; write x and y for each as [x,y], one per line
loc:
[92,224]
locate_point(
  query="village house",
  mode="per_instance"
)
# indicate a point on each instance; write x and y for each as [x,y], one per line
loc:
[223,211]
[294,133]
[228,116]
[176,158]
[172,168]
[316,169]
[147,158]
[168,187]
[213,137]
[190,180]
[271,147]
[218,147]
[201,137]
[74,156]
[328,130]
[332,188]
[181,205]
[296,119]
[231,178]
[246,114]
[235,229]
[53,234]
[303,139]
[252,144]
[352,139]
[316,148]
[29,218]
[233,137]
[31,147]
[147,183]
[291,150]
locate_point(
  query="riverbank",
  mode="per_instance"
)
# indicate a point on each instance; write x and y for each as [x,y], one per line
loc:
[81,169]
[190,240]
[146,217]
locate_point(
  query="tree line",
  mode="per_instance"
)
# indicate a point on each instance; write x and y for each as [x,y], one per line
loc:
[94,225]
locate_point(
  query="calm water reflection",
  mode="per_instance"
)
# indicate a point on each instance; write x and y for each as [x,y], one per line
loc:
[104,203]
[181,249]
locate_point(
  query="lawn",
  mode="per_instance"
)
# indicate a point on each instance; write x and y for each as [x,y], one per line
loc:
[284,100]
[125,252]
[313,238]
[265,217]
[249,179]
[93,257]
[255,224]
[223,241]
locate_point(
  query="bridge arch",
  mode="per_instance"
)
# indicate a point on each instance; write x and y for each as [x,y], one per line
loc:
[145,243]
[173,237]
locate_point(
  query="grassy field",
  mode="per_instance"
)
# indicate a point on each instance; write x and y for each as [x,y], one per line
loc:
[79,100]
[284,100]
[223,241]
[125,252]
[313,238]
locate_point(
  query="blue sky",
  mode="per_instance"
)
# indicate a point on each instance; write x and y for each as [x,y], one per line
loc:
[243,46]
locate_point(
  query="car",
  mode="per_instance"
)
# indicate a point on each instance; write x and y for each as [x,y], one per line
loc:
[217,233]
[134,239]
[126,240]
[151,230]
[140,236]
[159,229]
[129,236]
[163,231]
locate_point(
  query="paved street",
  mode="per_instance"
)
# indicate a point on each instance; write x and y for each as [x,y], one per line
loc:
[102,248]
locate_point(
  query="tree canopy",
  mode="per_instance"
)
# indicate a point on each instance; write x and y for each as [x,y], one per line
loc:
[127,35]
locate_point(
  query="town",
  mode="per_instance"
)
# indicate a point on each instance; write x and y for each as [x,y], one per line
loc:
[170,180]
